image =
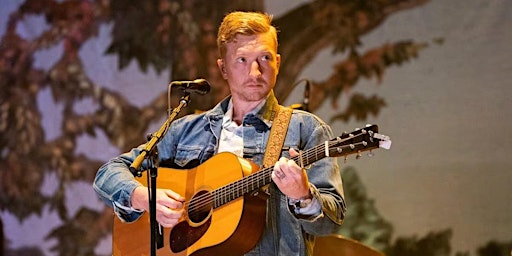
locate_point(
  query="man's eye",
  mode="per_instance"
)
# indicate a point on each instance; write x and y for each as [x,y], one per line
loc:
[266,57]
[241,60]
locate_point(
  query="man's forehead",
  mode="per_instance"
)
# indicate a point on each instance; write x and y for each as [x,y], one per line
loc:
[257,42]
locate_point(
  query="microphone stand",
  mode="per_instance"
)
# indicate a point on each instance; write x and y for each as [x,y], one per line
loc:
[150,154]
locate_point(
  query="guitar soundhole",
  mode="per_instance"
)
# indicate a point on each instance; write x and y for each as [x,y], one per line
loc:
[200,206]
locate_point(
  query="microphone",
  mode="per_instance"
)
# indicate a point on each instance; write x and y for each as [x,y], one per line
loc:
[199,86]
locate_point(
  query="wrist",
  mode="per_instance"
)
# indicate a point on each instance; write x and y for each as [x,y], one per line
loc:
[300,203]
[138,197]
[309,195]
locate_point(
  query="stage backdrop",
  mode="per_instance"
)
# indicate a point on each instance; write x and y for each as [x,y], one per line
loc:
[82,81]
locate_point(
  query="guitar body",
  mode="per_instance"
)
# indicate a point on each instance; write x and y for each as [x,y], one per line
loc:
[231,229]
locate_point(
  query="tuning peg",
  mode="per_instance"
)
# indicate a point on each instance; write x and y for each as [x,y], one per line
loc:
[358,155]
[370,153]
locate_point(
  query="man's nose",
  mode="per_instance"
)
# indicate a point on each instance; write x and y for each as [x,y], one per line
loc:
[255,69]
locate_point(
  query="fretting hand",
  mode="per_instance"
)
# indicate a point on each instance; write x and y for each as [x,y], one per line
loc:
[290,178]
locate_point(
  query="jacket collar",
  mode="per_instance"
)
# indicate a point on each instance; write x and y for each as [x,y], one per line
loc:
[266,113]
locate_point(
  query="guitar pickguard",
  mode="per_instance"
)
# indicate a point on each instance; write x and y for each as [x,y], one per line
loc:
[183,235]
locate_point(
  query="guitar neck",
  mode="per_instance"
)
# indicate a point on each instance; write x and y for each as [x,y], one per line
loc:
[259,179]
[361,140]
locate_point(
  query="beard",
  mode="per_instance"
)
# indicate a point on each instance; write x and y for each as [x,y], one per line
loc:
[252,92]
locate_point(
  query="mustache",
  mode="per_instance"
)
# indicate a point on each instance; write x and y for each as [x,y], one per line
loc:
[256,81]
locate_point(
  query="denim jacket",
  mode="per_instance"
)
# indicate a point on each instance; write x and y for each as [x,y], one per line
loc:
[193,139]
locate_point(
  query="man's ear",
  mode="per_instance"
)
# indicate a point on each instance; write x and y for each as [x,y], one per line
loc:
[222,68]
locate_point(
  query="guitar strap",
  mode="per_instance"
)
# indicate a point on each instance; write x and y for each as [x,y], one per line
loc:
[277,135]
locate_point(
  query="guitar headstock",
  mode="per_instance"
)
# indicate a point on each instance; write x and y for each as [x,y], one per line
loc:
[360,140]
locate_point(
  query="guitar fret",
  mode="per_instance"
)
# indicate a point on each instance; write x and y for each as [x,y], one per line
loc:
[216,199]
[232,192]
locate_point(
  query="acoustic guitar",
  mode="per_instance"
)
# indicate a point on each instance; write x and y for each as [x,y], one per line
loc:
[224,215]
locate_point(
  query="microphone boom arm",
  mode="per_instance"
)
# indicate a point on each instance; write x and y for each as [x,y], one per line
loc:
[157,136]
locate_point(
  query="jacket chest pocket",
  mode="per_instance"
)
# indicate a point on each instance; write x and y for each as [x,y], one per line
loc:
[188,156]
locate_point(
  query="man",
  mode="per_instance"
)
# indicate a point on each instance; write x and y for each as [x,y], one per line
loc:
[302,203]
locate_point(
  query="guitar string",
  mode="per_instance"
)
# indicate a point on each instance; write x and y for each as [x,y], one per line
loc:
[238,188]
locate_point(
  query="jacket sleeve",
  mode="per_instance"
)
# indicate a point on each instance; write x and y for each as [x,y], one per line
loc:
[325,184]
[114,184]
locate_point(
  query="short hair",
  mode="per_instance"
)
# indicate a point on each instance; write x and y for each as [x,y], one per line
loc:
[244,23]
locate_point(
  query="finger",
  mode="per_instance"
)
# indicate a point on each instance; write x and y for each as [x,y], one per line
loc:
[279,174]
[174,195]
[172,204]
[290,163]
[276,177]
[169,218]
[287,167]
[165,199]
[166,213]
[293,152]
[283,160]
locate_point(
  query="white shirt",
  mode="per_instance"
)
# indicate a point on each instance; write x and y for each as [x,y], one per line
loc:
[231,136]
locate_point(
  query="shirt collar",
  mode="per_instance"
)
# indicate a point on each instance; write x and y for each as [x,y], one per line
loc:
[228,116]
